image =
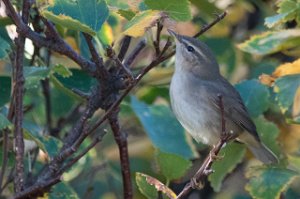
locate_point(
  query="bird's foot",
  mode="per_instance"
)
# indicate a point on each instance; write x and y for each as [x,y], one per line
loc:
[195,184]
[213,156]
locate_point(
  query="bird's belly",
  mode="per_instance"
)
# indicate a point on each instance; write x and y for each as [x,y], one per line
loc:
[198,118]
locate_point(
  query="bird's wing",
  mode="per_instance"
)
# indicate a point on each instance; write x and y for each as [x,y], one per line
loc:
[234,108]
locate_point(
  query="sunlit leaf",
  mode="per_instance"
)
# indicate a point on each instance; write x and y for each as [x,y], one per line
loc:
[140,23]
[4,122]
[287,11]
[233,154]
[272,42]
[285,88]
[162,127]
[287,69]
[149,186]
[5,89]
[255,96]
[85,16]
[172,166]
[269,182]
[177,10]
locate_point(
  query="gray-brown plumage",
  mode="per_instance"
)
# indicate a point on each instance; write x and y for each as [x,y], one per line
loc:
[194,91]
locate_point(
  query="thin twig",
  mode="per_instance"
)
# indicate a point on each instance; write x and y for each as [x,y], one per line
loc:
[208,26]
[156,43]
[112,55]
[121,141]
[101,70]
[205,168]
[135,52]
[124,47]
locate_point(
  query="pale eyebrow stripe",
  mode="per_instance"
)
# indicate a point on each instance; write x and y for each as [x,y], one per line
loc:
[198,51]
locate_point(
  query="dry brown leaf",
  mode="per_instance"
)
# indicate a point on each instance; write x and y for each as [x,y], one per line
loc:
[159,186]
[266,79]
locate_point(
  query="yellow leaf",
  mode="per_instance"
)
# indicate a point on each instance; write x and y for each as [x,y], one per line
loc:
[287,69]
[139,24]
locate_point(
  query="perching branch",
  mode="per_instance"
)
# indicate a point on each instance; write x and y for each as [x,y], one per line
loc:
[205,169]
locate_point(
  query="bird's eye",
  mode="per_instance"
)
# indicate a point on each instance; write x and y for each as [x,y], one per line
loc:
[190,49]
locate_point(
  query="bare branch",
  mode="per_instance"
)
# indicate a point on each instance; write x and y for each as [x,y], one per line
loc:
[121,140]
[124,47]
[18,106]
[208,26]
[101,71]
[135,52]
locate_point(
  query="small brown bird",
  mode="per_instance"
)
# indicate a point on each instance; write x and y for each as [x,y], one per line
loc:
[194,90]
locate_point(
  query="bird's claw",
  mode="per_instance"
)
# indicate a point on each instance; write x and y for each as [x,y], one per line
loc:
[195,184]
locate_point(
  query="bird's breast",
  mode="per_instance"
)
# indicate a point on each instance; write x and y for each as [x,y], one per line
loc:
[191,107]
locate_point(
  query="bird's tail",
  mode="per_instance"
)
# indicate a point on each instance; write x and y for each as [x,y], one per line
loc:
[259,150]
[263,153]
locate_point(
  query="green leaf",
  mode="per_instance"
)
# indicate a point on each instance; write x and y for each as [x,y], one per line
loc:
[285,88]
[62,70]
[163,129]
[145,188]
[33,75]
[4,122]
[127,14]
[141,22]
[268,132]
[271,42]
[287,11]
[62,190]
[177,10]
[79,80]
[269,182]
[85,16]
[4,47]
[172,166]
[233,154]
[5,89]
[48,144]
[255,96]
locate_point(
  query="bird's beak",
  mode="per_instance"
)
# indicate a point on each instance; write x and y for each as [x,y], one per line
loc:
[174,34]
